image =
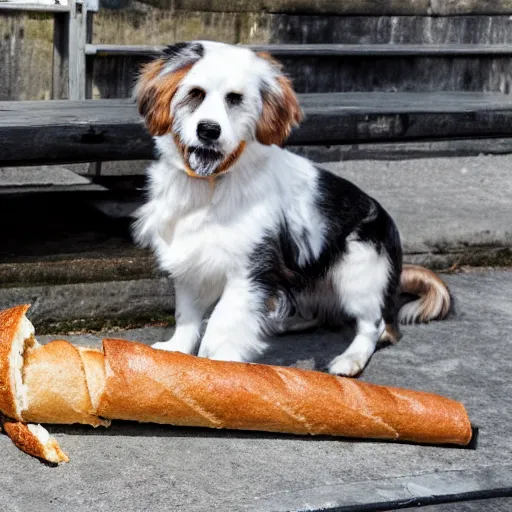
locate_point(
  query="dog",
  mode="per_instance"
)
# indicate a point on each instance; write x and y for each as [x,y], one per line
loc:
[276,243]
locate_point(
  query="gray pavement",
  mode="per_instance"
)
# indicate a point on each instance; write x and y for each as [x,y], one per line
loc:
[443,207]
[132,467]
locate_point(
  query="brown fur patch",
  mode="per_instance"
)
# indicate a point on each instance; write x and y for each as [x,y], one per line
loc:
[231,158]
[271,303]
[154,95]
[281,112]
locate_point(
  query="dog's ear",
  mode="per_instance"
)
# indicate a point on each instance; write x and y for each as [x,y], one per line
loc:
[281,110]
[159,81]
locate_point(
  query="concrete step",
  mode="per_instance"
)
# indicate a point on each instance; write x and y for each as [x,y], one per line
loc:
[448,210]
[44,178]
[73,255]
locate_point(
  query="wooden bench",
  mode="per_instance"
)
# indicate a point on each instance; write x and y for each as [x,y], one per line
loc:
[51,132]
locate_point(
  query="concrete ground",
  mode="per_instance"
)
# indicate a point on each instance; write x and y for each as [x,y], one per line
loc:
[132,467]
[444,207]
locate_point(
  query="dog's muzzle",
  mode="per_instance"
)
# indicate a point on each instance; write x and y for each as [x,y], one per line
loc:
[204,161]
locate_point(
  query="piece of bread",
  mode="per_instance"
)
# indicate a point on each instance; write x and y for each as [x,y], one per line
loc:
[16,334]
[94,367]
[57,390]
[35,440]
[147,385]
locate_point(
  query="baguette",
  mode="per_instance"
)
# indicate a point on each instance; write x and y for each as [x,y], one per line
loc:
[146,385]
[60,383]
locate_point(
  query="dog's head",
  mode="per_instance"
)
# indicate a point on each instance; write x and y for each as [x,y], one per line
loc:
[214,99]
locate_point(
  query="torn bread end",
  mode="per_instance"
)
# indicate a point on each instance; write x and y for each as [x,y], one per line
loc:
[24,339]
[16,334]
[35,440]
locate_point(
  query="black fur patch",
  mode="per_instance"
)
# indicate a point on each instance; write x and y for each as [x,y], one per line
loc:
[346,210]
[177,50]
[206,154]
[180,55]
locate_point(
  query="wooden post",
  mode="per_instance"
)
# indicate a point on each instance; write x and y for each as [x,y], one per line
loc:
[60,56]
[77,41]
[91,6]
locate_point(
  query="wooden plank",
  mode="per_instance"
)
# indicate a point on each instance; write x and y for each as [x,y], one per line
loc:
[474,7]
[7,6]
[81,131]
[60,57]
[12,58]
[89,62]
[317,7]
[404,102]
[329,50]
[406,150]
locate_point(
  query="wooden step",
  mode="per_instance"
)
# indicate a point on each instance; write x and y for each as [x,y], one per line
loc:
[36,132]
[341,67]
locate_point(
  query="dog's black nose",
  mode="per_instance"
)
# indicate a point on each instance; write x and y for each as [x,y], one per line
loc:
[208,131]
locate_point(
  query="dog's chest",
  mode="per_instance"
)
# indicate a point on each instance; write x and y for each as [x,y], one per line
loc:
[208,243]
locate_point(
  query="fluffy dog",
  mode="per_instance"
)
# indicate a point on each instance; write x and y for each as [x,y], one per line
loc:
[275,242]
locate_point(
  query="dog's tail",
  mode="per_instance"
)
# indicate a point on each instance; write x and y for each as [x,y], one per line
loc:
[434,301]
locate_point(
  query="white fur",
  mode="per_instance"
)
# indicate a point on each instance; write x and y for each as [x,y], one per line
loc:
[360,279]
[203,237]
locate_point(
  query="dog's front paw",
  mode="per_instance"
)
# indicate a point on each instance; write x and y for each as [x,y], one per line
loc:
[223,352]
[176,345]
[164,345]
[348,365]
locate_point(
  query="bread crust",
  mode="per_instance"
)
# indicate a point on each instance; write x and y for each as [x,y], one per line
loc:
[147,385]
[94,367]
[26,441]
[10,322]
[56,386]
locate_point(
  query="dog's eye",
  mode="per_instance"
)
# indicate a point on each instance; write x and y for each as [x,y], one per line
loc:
[234,98]
[197,94]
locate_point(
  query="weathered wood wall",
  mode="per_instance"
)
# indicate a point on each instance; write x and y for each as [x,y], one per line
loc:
[26,45]
[26,41]
[113,76]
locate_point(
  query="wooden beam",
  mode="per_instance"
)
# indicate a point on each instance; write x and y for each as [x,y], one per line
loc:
[35,132]
[6,6]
